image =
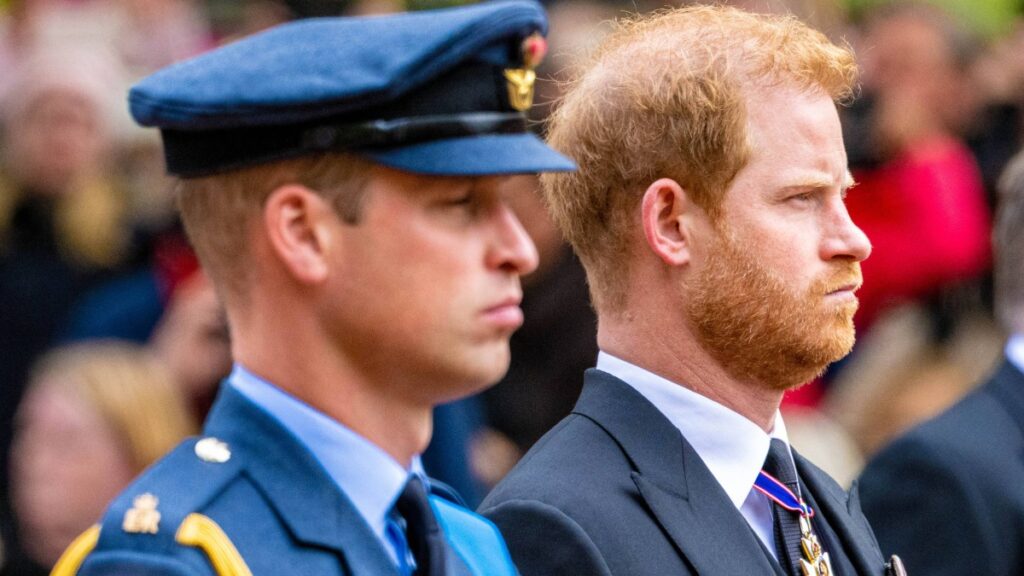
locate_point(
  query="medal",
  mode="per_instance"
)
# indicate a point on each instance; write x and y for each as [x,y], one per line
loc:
[815,561]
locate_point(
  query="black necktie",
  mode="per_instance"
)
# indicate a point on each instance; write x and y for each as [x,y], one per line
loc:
[787,523]
[423,533]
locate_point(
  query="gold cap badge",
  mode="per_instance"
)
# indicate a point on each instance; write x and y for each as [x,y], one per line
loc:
[142,517]
[212,450]
[522,80]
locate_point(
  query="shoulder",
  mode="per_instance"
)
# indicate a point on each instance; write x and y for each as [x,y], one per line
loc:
[546,506]
[545,540]
[156,524]
[974,435]
[566,467]
[965,464]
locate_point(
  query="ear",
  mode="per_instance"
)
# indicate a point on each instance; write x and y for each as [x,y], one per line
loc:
[296,220]
[664,211]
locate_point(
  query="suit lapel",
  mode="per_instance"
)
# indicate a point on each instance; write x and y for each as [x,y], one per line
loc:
[683,496]
[315,510]
[843,515]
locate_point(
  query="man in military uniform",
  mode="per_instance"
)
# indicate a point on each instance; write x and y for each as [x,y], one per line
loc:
[343,183]
[708,212]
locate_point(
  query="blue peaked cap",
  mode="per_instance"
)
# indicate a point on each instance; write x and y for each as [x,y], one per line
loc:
[424,92]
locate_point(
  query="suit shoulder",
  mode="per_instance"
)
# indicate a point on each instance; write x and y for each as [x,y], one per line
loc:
[577,451]
[156,524]
[976,430]
[544,540]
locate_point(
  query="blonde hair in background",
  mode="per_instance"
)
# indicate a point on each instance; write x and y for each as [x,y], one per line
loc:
[1009,247]
[89,222]
[129,388]
[219,210]
[665,96]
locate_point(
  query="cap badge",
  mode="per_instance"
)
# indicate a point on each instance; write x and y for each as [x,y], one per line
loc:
[142,517]
[521,80]
[212,450]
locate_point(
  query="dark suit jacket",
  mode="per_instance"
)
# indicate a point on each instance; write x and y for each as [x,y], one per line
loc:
[274,503]
[948,497]
[615,489]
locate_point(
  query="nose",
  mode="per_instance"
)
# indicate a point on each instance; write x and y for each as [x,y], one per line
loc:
[845,240]
[512,250]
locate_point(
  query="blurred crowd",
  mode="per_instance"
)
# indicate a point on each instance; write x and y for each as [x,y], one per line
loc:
[112,342]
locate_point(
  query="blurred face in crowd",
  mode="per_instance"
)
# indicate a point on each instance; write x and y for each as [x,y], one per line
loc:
[426,291]
[192,338]
[58,137]
[773,297]
[911,70]
[67,463]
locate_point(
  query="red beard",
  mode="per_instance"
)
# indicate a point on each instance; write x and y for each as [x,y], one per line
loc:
[761,330]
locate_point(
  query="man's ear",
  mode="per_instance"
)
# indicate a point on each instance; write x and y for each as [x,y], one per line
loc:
[296,220]
[666,210]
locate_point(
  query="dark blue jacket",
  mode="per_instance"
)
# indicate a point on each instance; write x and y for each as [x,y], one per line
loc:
[615,489]
[948,496]
[263,506]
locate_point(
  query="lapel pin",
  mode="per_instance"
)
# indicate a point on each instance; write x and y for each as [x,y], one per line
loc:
[142,517]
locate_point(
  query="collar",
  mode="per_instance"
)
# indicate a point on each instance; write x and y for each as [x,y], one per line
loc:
[370,477]
[1015,351]
[732,447]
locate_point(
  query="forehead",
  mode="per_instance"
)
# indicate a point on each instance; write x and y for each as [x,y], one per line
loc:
[423,185]
[795,139]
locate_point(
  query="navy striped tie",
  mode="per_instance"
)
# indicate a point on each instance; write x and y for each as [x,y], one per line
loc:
[786,522]
[423,533]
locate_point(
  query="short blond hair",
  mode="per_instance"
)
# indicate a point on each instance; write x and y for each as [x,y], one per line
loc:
[218,210]
[663,96]
[132,391]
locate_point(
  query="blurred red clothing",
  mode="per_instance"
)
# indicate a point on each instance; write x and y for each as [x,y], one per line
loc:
[926,216]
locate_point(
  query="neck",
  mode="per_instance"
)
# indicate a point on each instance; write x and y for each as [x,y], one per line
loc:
[658,345]
[306,367]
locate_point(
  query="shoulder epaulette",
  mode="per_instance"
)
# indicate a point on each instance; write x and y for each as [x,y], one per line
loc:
[159,512]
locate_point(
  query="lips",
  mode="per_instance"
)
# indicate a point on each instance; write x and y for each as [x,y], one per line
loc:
[845,288]
[506,314]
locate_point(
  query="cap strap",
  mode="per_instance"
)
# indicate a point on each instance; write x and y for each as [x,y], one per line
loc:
[380,133]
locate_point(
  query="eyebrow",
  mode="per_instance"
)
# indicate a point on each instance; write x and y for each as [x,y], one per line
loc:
[813,183]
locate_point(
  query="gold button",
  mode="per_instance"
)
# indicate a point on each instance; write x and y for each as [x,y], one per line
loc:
[213,450]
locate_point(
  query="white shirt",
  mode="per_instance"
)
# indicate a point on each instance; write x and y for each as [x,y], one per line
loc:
[732,447]
[1015,351]
[369,477]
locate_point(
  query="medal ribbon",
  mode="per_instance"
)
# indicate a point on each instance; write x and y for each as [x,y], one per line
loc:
[781,494]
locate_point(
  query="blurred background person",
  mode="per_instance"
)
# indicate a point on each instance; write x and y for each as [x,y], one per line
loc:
[94,416]
[920,196]
[63,226]
[949,495]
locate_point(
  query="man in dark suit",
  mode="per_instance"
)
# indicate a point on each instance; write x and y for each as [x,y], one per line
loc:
[708,212]
[344,182]
[949,495]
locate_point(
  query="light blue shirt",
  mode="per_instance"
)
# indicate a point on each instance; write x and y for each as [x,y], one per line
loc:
[732,447]
[1015,351]
[368,476]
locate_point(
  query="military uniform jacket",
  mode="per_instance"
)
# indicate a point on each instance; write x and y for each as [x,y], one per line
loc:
[949,495]
[250,499]
[615,489]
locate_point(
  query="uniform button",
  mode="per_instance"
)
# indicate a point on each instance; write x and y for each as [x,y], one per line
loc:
[213,450]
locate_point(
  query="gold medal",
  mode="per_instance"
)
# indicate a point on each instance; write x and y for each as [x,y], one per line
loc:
[815,561]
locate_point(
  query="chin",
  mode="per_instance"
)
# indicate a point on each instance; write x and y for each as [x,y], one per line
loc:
[475,376]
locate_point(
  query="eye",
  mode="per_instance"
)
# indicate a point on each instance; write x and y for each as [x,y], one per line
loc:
[461,200]
[802,197]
